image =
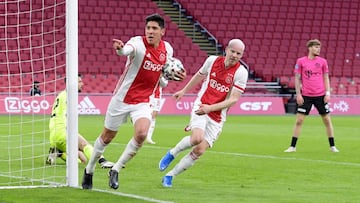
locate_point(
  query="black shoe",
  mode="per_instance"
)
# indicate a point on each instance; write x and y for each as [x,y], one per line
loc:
[113,179]
[87,181]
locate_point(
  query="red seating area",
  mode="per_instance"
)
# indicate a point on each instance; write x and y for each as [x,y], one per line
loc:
[99,23]
[276,31]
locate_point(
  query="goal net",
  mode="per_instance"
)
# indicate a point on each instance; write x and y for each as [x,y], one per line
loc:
[32,54]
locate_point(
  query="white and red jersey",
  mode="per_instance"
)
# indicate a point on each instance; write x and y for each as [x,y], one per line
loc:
[142,71]
[219,83]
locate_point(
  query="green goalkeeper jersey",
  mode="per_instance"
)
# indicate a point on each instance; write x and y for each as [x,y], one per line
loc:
[58,113]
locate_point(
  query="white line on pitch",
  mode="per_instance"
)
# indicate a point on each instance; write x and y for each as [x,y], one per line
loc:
[132,196]
[287,158]
[266,156]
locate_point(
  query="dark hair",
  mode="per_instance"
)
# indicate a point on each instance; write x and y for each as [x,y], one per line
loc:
[36,84]
[313,42]
[157,18]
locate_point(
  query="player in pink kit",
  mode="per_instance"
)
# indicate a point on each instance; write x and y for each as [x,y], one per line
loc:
[225,81]
[146,57]
[312,87]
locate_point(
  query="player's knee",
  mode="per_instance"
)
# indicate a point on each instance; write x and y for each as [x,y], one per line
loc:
[198,151]
[299,121]
[141,133]
[108,135]
[196,139]
[326,120]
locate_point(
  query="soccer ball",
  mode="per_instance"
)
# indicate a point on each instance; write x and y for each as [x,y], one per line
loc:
[173,65]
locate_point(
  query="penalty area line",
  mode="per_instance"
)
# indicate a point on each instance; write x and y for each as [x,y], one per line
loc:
[132,196]
[288,158]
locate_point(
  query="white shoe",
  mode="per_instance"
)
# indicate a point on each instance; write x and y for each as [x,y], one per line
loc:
[333,149]
[106,164]
[150,141]
[291,149]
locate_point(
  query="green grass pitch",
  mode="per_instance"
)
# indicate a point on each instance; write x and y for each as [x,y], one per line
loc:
[246,164]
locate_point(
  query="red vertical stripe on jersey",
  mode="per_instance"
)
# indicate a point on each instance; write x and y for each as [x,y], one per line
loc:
[220,83]
[148,74]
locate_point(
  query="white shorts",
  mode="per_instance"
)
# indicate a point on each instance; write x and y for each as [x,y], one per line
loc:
[155,103]
[211,128]
[118,112]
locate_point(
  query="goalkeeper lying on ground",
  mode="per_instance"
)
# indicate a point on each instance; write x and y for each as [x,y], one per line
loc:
[57,127]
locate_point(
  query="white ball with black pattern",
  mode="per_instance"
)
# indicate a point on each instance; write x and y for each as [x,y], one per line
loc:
[173,65]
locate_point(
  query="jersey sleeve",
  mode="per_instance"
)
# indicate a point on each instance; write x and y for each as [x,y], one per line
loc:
[169,50]
[326,66]
[163,82]
[297,68]
[240,79]
[205,68]
[129,47]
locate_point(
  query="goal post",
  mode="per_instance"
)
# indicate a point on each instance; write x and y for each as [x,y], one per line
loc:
[38,43]
[72,91]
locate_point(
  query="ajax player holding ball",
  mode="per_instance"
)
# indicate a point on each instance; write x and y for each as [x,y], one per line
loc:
[146,57]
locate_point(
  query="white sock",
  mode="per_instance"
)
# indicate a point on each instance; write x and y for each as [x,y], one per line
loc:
[181,146]
[130,151]
[186,162]
[151,129]
[99,148]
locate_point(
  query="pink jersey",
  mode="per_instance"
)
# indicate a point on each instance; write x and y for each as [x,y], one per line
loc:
[142,71]
[312,75]
[219,83]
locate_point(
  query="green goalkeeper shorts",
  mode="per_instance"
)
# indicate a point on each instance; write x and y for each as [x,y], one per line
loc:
[58,138]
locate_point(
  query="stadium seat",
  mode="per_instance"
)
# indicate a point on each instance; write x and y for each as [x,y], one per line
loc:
[261,24]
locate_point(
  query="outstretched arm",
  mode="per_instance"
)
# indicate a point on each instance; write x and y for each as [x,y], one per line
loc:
[120,47]
[197,78]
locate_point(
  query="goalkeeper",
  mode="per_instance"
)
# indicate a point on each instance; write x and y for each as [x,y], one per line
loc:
[57,127]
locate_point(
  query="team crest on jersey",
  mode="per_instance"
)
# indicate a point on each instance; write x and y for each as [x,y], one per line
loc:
[229,78]
[162,57]
[317,65]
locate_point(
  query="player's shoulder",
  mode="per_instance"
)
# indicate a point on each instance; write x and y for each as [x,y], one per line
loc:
[302,58]
[135,39]
[62,94]
[168,46]
[244,65]
[321,58]
[213,57]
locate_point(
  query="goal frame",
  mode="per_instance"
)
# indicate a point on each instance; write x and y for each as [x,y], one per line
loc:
[72,92]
